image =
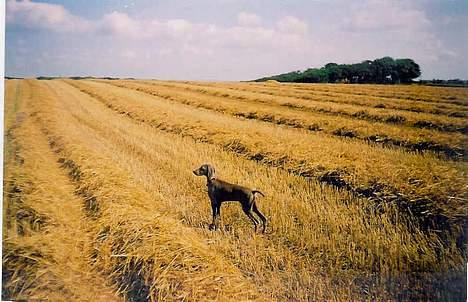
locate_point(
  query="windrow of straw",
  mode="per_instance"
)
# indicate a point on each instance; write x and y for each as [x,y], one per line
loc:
[341,94]
[319,225]
[356,96]
[429,188]
[44,231]
[418,93]
[147,254]
[138,216]
[389,116]
[411,139]
[275,269]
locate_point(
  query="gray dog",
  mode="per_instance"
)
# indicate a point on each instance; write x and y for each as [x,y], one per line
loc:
[220,191]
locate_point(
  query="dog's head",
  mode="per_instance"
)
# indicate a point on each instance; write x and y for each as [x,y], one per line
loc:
[205,170]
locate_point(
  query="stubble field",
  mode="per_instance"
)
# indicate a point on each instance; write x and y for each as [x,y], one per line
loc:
[365,191]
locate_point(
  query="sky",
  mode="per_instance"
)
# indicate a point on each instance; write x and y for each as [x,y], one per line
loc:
[230,39]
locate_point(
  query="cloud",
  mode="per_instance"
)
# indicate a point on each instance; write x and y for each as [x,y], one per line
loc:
[292,25]
[43,15]
[179,27]
[381,15]
[248,19]
[252,46]
[400,28]
[117,23]
[176,34]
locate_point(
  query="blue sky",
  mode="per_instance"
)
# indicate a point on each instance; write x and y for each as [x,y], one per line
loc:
[230,39]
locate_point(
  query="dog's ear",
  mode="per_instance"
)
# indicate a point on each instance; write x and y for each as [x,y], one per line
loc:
[210,173]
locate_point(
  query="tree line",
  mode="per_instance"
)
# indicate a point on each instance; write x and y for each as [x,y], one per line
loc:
[385,70]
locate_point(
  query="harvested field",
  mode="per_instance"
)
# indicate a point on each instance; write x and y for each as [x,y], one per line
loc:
[325,106]
[448,144]
[99,188]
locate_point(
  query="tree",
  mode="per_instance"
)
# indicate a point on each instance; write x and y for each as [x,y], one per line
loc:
[383,69]
[334,72]
[407,70]
[365,71]
[314,75]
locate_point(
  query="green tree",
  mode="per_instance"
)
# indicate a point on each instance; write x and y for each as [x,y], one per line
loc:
[365,71]
[334,72]
[407,70]
[314,75]
[383,69]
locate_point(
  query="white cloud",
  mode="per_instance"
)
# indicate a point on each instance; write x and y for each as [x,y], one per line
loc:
[251,47]
[176,34]
[397,28]
[43,15]
[179,27]
[382,15]
[292,25]
[248,19]
[117,23]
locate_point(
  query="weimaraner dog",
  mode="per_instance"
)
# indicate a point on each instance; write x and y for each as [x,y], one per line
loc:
[220,191]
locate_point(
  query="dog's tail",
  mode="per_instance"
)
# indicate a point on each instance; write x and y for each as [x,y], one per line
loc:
[257,191]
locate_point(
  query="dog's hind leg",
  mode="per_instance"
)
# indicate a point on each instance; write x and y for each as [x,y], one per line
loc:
[264,220]
[249,213]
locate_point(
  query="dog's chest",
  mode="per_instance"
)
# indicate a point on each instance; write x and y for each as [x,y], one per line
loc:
[211,191]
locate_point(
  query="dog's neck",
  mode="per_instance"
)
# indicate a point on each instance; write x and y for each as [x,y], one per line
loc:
[209,181]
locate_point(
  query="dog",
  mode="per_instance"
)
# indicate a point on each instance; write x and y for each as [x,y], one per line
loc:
[220,191]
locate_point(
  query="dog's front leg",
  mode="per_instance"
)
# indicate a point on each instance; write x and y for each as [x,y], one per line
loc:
[218,214]
[215,212]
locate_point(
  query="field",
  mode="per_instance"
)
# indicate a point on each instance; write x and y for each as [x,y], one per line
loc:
[365,191]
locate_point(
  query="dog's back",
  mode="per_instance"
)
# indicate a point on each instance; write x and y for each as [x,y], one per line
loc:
[225,191]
